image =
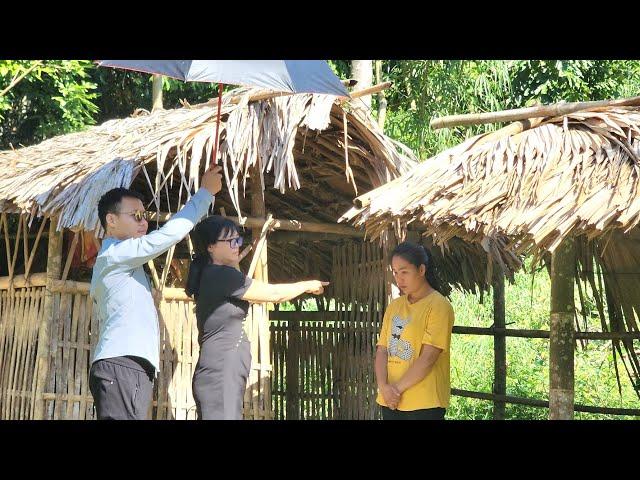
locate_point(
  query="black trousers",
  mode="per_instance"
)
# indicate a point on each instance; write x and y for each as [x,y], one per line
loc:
[424,414]
[121,389]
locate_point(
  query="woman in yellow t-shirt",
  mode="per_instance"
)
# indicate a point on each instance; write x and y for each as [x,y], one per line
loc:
[412,359]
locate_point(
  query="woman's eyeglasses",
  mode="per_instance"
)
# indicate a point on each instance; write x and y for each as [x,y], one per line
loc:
[234,242]
[139,215]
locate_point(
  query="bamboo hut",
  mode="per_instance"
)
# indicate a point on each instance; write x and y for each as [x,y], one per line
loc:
[562,186]
[292,164]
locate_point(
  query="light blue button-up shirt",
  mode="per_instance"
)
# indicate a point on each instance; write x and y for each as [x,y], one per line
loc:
[121,291]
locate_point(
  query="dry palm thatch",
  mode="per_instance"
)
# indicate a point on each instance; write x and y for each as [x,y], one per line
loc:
[66,175]
[523,193]
[573,174]
[313,154]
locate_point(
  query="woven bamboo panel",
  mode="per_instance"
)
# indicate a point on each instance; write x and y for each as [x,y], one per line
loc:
[321,370]
[20,311]
[74,334]
[179,350]
[257,398]
[325,369]
[173,396]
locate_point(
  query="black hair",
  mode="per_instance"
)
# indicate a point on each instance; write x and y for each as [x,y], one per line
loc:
[419,255]
[110,202]
[206,233]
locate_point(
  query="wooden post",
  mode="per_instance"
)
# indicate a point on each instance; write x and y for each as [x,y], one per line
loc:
[157,92]
[499,346]
[292,367]
[362,71]
[382,99]
[54,266]
[562,334]
[260,312]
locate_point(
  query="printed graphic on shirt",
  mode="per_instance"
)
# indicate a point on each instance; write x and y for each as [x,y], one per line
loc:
[398,347]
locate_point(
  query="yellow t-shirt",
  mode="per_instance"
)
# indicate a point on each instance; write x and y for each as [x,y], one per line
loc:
[405,328]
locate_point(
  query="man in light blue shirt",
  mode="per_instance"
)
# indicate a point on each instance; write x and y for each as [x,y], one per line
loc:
[127,356]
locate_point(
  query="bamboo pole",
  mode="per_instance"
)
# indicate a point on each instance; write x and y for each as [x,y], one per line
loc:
[154,274]
[332,315]
[499,346]
[16,80]
[556,109]
[533,402]
[295,237]
[255,268]
[92,340]
[27,268]
[260,96]
[19,281]
[71,286]
[288,225]
[260,316]
[562,337]
[54,262]
[28,384]
[72,354]
[3,220]
[25,234]
[371,90]
[70,254]
[84,356]
[167,267]
[12,267]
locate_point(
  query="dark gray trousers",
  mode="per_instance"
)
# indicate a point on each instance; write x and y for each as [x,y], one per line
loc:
[120,392]
[424,414]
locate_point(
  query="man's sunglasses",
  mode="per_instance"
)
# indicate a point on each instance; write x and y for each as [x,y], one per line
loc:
[234,242]
[139,215]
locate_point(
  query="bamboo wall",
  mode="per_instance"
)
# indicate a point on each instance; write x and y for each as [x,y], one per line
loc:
[74,336]
[319,370]
[323,369]
[20,311]
[48,335]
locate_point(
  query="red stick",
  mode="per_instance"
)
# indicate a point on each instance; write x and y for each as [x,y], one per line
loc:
[215,145]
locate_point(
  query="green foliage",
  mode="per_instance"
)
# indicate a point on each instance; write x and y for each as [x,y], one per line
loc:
[124,91]
[549,81]
[342,68]
[55,97]
[63,96]
[426,89]
[527,307]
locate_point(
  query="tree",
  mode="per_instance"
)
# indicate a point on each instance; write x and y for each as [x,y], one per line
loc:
[362,71]
[382,97]
[51,97]
[121,92]
[424,89]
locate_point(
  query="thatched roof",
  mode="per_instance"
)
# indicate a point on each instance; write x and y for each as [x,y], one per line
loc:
[293,136]
[522,192]
[577,174]
[298,139]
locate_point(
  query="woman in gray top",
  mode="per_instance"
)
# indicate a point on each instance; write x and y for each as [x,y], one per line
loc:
[223,294]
